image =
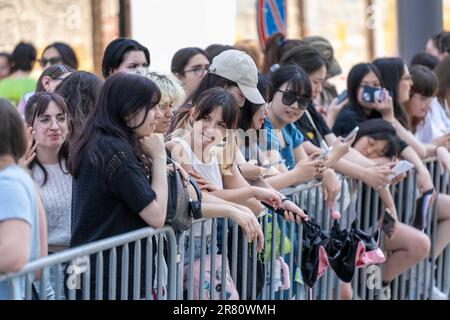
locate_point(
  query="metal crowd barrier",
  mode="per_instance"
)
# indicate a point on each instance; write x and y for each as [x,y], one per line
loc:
[217,242]
[74,269]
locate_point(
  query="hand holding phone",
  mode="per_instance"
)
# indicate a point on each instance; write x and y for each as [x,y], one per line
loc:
[341,98]
[351,135]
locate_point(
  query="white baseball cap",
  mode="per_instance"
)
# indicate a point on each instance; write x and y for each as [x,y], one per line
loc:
[239,67]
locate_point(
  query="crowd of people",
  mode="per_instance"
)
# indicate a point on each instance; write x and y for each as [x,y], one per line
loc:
[85,158]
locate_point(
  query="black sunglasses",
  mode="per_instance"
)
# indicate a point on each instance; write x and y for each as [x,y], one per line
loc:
[290,97]
[55,60]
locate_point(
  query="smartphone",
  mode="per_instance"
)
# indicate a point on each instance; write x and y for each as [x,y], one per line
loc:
[350,135]
[270,165]
[388,223]
[341,98]
[372,94]
[401,167]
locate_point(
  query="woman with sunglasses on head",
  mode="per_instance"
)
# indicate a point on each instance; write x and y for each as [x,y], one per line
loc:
[190,66]
[59,53]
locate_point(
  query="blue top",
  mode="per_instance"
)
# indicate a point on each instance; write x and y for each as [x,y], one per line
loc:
[292,137]
[18,202]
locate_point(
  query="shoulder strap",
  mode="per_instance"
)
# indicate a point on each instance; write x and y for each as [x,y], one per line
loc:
[322,142]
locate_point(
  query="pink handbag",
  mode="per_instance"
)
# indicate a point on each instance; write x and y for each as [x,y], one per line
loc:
[365,257]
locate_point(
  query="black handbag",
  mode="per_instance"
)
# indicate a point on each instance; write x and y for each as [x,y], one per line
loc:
[342,249]
[181,210]
[313,251]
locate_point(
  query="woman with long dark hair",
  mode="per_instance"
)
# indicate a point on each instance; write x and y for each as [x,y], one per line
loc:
[113,161]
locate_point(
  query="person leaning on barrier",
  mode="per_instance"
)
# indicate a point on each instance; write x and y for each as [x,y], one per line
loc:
[214,113]
[284,141]
[376,138]
[258,169]
[398,80]
[23,231]
[318,135]
[113,161]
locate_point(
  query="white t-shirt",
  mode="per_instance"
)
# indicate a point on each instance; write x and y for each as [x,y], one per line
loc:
[435,125]
[209,171]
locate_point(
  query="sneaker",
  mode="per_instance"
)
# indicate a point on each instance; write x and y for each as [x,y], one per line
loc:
[438,294]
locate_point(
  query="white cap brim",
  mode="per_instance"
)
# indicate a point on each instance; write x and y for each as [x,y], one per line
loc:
[252,94]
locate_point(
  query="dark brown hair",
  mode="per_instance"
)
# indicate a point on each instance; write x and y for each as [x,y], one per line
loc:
[13,140]
[36,106]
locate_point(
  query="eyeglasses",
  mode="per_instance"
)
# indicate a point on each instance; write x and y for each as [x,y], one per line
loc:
[198,70]
[61,119]
[55,60]
[290,97]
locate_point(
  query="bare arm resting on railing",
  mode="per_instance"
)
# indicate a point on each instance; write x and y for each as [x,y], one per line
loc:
[155,213]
